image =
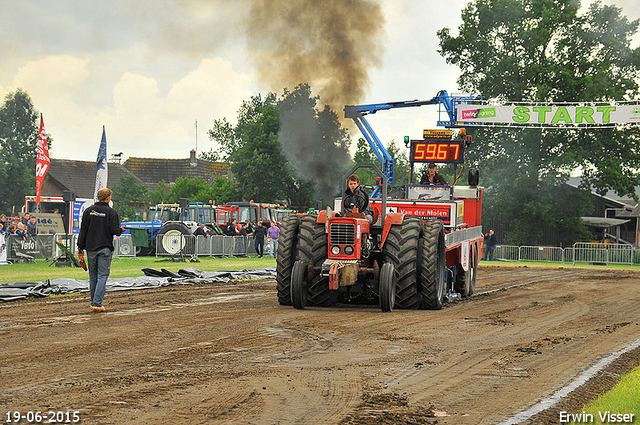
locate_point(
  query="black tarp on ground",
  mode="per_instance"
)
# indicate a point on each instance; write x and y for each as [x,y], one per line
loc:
[152,279]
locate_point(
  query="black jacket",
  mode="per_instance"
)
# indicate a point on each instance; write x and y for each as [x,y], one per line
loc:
[490,240]
[260,233]
[437,179]
[358,198]
[100,223]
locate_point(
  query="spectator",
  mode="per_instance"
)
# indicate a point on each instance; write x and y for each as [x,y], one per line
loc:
[25,218]
[432,176]
[230,229]
[250,227]
[201,230]
[21,231]
[490,241]
[32,226]
[272,239]
[2,231]
[245,230]
[3,220]
[258,237]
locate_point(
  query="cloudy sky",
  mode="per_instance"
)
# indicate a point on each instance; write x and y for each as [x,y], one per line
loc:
[149,69]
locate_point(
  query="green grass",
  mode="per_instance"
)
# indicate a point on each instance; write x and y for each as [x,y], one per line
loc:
[126,267]
[623,398]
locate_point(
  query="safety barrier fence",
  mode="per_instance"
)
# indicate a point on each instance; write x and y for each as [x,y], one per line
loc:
[205,246]
[47,246]
[580,252]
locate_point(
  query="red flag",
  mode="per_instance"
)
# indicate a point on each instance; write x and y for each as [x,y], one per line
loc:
[42,161]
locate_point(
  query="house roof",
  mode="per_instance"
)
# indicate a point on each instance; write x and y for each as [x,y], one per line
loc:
[603,222]
[80,176]
[610,195]
[153,170]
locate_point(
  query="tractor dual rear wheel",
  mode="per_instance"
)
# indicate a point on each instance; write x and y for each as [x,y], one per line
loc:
[299,288]
[433,266]
[286,256]
[466,279]
[401,250]
[313,250]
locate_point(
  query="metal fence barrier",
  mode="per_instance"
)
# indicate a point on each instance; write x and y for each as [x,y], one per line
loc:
[175,244]
[580,252]
[123,246]
[224,246]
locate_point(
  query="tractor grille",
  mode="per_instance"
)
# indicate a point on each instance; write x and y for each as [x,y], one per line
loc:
[342,234]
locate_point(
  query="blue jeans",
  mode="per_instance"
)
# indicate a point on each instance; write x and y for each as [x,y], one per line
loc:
[99,265]
[273,244]
[259,247]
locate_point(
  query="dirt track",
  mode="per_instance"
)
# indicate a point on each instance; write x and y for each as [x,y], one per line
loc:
[229,354]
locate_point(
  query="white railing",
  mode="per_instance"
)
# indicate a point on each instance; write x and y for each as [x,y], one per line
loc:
[580,252]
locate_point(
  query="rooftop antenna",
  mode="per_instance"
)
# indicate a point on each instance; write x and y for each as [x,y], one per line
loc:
[196,136]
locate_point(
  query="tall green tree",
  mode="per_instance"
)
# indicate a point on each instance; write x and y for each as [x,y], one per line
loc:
[128,190]
[364,155]
[18,139]
[284,148]
[543,51]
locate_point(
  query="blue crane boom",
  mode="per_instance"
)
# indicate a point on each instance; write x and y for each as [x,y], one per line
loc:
[357,114]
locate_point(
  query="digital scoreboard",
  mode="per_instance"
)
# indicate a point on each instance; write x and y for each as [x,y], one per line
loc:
[437,150]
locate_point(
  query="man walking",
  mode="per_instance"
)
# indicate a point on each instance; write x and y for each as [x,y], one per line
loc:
[100,223]
[490,241]
[258,237]
[272,235]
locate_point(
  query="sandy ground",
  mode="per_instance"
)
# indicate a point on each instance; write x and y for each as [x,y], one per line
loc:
[229,354]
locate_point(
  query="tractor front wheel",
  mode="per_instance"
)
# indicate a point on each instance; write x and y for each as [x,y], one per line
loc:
[387,287]
[299,285]
[473,271]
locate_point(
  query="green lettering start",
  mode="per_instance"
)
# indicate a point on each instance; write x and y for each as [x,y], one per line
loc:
[521,114]
[583,114]
[561,115]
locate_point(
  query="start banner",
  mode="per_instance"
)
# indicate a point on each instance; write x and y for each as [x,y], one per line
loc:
[551,115]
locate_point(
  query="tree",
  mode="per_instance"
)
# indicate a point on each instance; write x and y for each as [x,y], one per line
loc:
[18,140]
[127,191]
[400,163]
[284,148]
[160,195]
[364,155]
[542,51]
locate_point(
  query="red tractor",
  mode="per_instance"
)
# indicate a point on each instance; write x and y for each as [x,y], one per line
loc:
[405,259]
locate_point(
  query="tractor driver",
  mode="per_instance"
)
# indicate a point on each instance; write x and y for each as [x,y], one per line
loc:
[432,176]
[354,196]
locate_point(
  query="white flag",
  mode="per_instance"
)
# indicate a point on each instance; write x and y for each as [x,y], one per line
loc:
[101,166]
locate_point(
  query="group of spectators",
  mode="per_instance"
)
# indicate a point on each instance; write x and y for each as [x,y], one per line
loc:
[265,231]
[26,226]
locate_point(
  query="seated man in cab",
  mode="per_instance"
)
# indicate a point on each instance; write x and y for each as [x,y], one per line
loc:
[354,196]
[432,176]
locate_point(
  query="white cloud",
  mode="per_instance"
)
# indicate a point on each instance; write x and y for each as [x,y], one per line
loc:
[140,120]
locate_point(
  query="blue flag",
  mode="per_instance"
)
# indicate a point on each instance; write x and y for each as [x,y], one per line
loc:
[101,166]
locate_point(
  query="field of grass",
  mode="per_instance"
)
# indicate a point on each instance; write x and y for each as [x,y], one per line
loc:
[126,267]
[624,398]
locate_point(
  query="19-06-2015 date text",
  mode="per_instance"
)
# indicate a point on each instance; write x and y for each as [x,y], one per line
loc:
[38,417]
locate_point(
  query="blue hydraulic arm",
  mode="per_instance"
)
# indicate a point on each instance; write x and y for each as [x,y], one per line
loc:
[357,113]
